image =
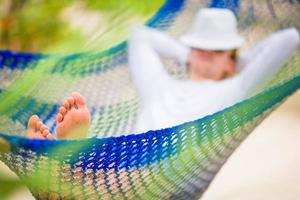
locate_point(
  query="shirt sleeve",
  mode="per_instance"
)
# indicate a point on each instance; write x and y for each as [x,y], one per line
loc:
[266,58]
[146,47]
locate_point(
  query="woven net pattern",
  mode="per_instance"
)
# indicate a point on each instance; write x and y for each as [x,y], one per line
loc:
[173,163]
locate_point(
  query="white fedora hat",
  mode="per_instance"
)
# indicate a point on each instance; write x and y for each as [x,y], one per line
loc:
[213,29]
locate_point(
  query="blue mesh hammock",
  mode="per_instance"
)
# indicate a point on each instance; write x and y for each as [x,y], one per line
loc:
[174,163]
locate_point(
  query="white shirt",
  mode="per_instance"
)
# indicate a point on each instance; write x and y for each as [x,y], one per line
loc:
[166,101]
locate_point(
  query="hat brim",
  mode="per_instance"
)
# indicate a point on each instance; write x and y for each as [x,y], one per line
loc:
[209,44]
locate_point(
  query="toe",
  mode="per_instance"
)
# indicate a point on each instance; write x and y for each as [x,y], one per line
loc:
[39,125]
[66,104]
[43,127]
[45,132]
[32,122]
[71,101]
[79,99]
[62,110]
[59,117]
[50,136]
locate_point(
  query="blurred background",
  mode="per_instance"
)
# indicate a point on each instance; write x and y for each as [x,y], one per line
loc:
[69,25]
[265,166]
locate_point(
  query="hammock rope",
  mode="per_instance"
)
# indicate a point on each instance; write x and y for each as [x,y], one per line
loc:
[174,163]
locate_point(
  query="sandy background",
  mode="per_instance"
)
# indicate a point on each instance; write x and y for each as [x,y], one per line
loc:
[265,166]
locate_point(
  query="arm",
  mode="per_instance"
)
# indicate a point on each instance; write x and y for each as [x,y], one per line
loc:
[145,48]
[271,54]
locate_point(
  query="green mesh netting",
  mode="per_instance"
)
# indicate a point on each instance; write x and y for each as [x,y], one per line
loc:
[174,163]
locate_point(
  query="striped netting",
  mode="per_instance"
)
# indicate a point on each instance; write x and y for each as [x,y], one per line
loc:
[173,163]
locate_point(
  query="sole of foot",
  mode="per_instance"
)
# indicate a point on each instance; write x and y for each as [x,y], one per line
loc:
[36,129]
[73,118]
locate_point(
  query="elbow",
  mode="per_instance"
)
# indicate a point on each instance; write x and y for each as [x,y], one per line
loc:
[294,35]
[284,42]
[291,37]
[138,37]
[138,34]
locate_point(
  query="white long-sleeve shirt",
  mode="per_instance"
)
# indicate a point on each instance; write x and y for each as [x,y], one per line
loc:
[166,101]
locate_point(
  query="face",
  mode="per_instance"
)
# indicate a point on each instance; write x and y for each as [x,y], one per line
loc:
[213,65]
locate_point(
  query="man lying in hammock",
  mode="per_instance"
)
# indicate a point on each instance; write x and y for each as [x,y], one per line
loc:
[215,81]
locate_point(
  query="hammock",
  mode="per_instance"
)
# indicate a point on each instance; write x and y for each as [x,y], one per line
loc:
[174,163]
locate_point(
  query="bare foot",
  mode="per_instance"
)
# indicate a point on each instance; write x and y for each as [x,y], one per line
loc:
[36,129]
[73,118]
